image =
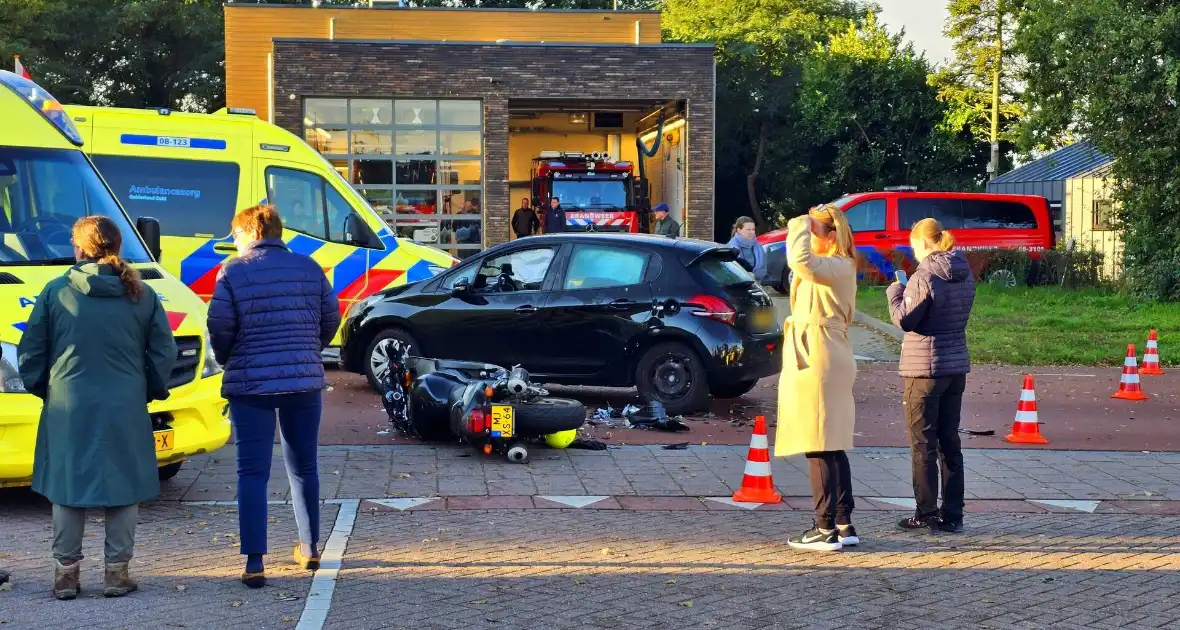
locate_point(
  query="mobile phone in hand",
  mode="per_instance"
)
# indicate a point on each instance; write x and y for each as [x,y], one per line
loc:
[901,277]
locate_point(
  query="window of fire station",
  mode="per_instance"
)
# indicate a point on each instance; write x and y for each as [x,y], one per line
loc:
[418,162]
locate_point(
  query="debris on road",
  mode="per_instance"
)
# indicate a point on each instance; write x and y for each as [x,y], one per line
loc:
[682,446]
[977,432]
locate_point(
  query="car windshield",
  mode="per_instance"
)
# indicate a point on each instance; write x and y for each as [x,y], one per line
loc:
[42,193]
[591,193]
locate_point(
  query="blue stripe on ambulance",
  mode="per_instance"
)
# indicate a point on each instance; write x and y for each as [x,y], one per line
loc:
[200,262]
[175,142]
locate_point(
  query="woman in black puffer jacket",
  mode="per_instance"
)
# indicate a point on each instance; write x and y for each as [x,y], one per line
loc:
[933,308]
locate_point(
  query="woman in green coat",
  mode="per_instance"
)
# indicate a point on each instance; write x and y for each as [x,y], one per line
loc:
[97,349]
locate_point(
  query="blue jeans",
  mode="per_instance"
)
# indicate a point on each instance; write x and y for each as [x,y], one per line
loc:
[253,419]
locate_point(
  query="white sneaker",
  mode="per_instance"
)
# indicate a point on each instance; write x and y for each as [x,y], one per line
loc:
[847,535]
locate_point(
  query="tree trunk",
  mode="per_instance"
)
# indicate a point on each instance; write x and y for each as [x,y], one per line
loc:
[752,178]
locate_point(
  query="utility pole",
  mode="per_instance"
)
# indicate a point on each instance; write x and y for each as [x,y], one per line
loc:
[994,166]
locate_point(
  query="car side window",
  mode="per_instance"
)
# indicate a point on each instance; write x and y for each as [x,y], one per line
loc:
[598,267]
[988,214]
[520,270]
[867,216]
[299,198]
[949,212]
[189,197]
[309,204]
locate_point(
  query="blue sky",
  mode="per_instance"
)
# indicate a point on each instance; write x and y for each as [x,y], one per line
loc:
[923,21]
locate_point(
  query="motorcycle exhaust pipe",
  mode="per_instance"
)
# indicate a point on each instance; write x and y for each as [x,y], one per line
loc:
[518,381]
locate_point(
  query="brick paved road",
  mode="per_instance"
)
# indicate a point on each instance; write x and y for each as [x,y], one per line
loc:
[625,569]
[572,569]
[422,471]
[187,562]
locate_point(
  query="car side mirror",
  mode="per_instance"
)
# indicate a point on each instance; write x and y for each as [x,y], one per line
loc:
[149,230]
[461,287]
[356,232]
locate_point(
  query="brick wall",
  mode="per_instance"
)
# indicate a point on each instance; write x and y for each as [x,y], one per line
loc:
[498,73]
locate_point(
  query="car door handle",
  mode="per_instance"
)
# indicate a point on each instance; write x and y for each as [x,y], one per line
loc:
[622,303]
[224,247]
[525,310]
[880,236]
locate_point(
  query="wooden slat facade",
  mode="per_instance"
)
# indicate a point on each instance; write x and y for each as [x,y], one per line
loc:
[251,30]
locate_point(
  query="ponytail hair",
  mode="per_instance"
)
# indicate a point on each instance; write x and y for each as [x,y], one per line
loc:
[931,231]
[99,239]
[833,219]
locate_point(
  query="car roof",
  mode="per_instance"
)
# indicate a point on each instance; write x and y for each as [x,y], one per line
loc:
[690,245]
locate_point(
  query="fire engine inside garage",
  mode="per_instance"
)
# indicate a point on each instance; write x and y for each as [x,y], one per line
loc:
[446,119]
[608,163]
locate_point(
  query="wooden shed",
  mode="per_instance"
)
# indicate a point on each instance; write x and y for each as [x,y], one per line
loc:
[1077,182]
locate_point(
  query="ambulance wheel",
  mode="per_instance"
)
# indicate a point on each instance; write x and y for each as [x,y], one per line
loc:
[169,471]
[518,454]
[377,354]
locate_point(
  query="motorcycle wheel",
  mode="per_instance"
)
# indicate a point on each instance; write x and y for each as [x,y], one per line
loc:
[549,415]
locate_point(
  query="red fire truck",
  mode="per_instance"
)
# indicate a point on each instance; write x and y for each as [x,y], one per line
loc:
[598,193]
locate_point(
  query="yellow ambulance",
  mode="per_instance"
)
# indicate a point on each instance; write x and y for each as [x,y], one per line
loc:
[192,172]
[46,184]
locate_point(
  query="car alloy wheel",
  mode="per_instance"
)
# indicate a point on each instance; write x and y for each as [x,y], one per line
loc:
[379,360]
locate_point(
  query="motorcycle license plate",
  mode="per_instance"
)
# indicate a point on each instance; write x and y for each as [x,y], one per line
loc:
[164,440]
[503,420]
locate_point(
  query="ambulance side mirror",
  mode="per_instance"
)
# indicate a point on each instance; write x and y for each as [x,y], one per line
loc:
[356,232]
[149,230]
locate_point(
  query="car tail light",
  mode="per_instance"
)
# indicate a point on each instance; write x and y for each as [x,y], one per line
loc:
[714,308]
[477,421]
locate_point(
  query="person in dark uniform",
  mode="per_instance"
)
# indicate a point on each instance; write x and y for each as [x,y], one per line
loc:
[554,217]
[524,220]
[665,224]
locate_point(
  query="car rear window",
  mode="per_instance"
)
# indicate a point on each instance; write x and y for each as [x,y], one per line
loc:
[973,214]
[189,197]
[724,270]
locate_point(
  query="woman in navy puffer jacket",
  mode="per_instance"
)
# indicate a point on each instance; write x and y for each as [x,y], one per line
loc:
[933,309]
[273,312]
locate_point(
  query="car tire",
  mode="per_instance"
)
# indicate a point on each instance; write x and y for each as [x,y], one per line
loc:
[733,390]
[549,415]
[371,370]
[672,374]
[169,471]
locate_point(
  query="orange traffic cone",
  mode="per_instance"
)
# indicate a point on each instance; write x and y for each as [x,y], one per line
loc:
[1151,356]
[1129,383]
[757,485]
[1026,429]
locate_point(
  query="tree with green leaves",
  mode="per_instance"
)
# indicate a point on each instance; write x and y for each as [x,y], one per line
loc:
[984,72]
[874,119]
[1109,71]
[761,47]
[125,53]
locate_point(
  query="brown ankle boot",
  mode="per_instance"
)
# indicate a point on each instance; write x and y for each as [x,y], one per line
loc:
[117,581]
[66,580]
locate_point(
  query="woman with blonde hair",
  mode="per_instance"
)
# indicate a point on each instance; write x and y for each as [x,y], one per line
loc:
[816,410]
[745,241]
[933,308]
[97,349]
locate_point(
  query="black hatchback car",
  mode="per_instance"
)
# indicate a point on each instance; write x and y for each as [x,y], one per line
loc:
[679,319]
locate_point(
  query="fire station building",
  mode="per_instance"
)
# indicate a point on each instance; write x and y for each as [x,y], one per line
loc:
[438,116]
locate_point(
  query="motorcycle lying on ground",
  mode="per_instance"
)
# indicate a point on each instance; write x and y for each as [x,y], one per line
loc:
[492,408]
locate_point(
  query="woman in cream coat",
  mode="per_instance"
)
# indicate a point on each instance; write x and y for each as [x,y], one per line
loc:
[816,410]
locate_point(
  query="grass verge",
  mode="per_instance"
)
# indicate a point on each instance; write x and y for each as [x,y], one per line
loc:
[1055,326]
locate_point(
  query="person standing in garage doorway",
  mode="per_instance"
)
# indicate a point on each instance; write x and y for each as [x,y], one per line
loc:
[554,217]
[524,220]
[665,224]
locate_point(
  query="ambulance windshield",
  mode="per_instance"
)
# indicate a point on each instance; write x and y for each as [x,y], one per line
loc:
[42,193]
